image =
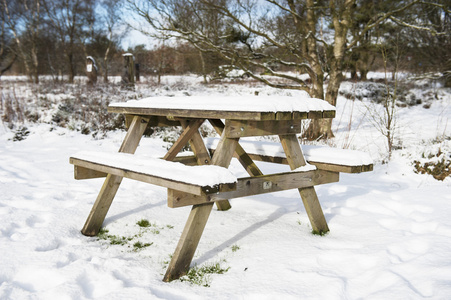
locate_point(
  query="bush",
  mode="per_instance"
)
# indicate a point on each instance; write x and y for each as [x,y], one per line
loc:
[436,162]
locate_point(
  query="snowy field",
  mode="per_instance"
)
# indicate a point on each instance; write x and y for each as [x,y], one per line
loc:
[390,229]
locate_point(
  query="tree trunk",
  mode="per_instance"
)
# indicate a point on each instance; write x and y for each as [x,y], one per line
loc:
[317,128]
[70,65]
[105,63]
[341,19]
[204,71]
[23,56]
[35,62]
[105,71]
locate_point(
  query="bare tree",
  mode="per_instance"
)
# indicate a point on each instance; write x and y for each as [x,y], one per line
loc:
[23,19]
[7,55]
[310,37]
[431,51]
[71,20]
[110,22]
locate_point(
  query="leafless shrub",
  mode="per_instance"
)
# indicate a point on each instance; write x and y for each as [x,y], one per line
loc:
[12,108]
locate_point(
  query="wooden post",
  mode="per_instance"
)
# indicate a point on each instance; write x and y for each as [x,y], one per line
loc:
[91,70]
[296,159]
[128,75]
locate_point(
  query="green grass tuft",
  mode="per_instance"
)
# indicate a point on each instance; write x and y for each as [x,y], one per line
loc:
[143,223]
[202,275]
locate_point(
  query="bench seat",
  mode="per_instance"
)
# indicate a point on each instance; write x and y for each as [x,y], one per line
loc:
[196,180]
[323,157]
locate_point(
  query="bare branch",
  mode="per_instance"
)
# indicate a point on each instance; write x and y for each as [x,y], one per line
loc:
[402,23]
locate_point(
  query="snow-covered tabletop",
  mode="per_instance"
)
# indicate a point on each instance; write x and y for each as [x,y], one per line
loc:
[241,107]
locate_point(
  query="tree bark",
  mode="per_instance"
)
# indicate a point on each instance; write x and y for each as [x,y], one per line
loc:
[204,71]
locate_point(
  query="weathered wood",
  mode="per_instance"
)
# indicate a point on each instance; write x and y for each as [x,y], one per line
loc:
[300,115]
[189,160]
[197,219]
[198,146]
[189,240]
[214,114]
[128,73]
[112,182]
[320,165]
[203,157]
[258,153]
[245,160]
[315,114]
[154,121]
[329,114]
[244,128]
[191,114]
[293,151]
[250,186]
[84,173]
[91,70]
[312,206]
[284,115]
[124,170]
[223,156]
[190,129]
[280,158]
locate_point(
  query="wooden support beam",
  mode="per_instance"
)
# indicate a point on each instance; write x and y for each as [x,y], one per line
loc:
[85,173]
[244,128]
[186,135]
[190,160]
[198,146]
[154,121]
[250,186]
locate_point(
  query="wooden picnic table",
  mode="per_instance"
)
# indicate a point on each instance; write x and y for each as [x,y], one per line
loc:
[244,117]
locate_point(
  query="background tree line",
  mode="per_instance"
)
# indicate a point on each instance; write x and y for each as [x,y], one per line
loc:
[319,38]
[54,37]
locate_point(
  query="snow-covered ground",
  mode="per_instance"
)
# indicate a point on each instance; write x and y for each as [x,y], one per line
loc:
[390,232]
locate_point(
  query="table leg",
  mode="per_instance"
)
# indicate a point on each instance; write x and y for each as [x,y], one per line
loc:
[197,219]
[112,182]
[312,206]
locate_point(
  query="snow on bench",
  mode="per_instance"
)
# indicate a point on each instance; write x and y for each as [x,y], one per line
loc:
[197,180]
[323,157]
